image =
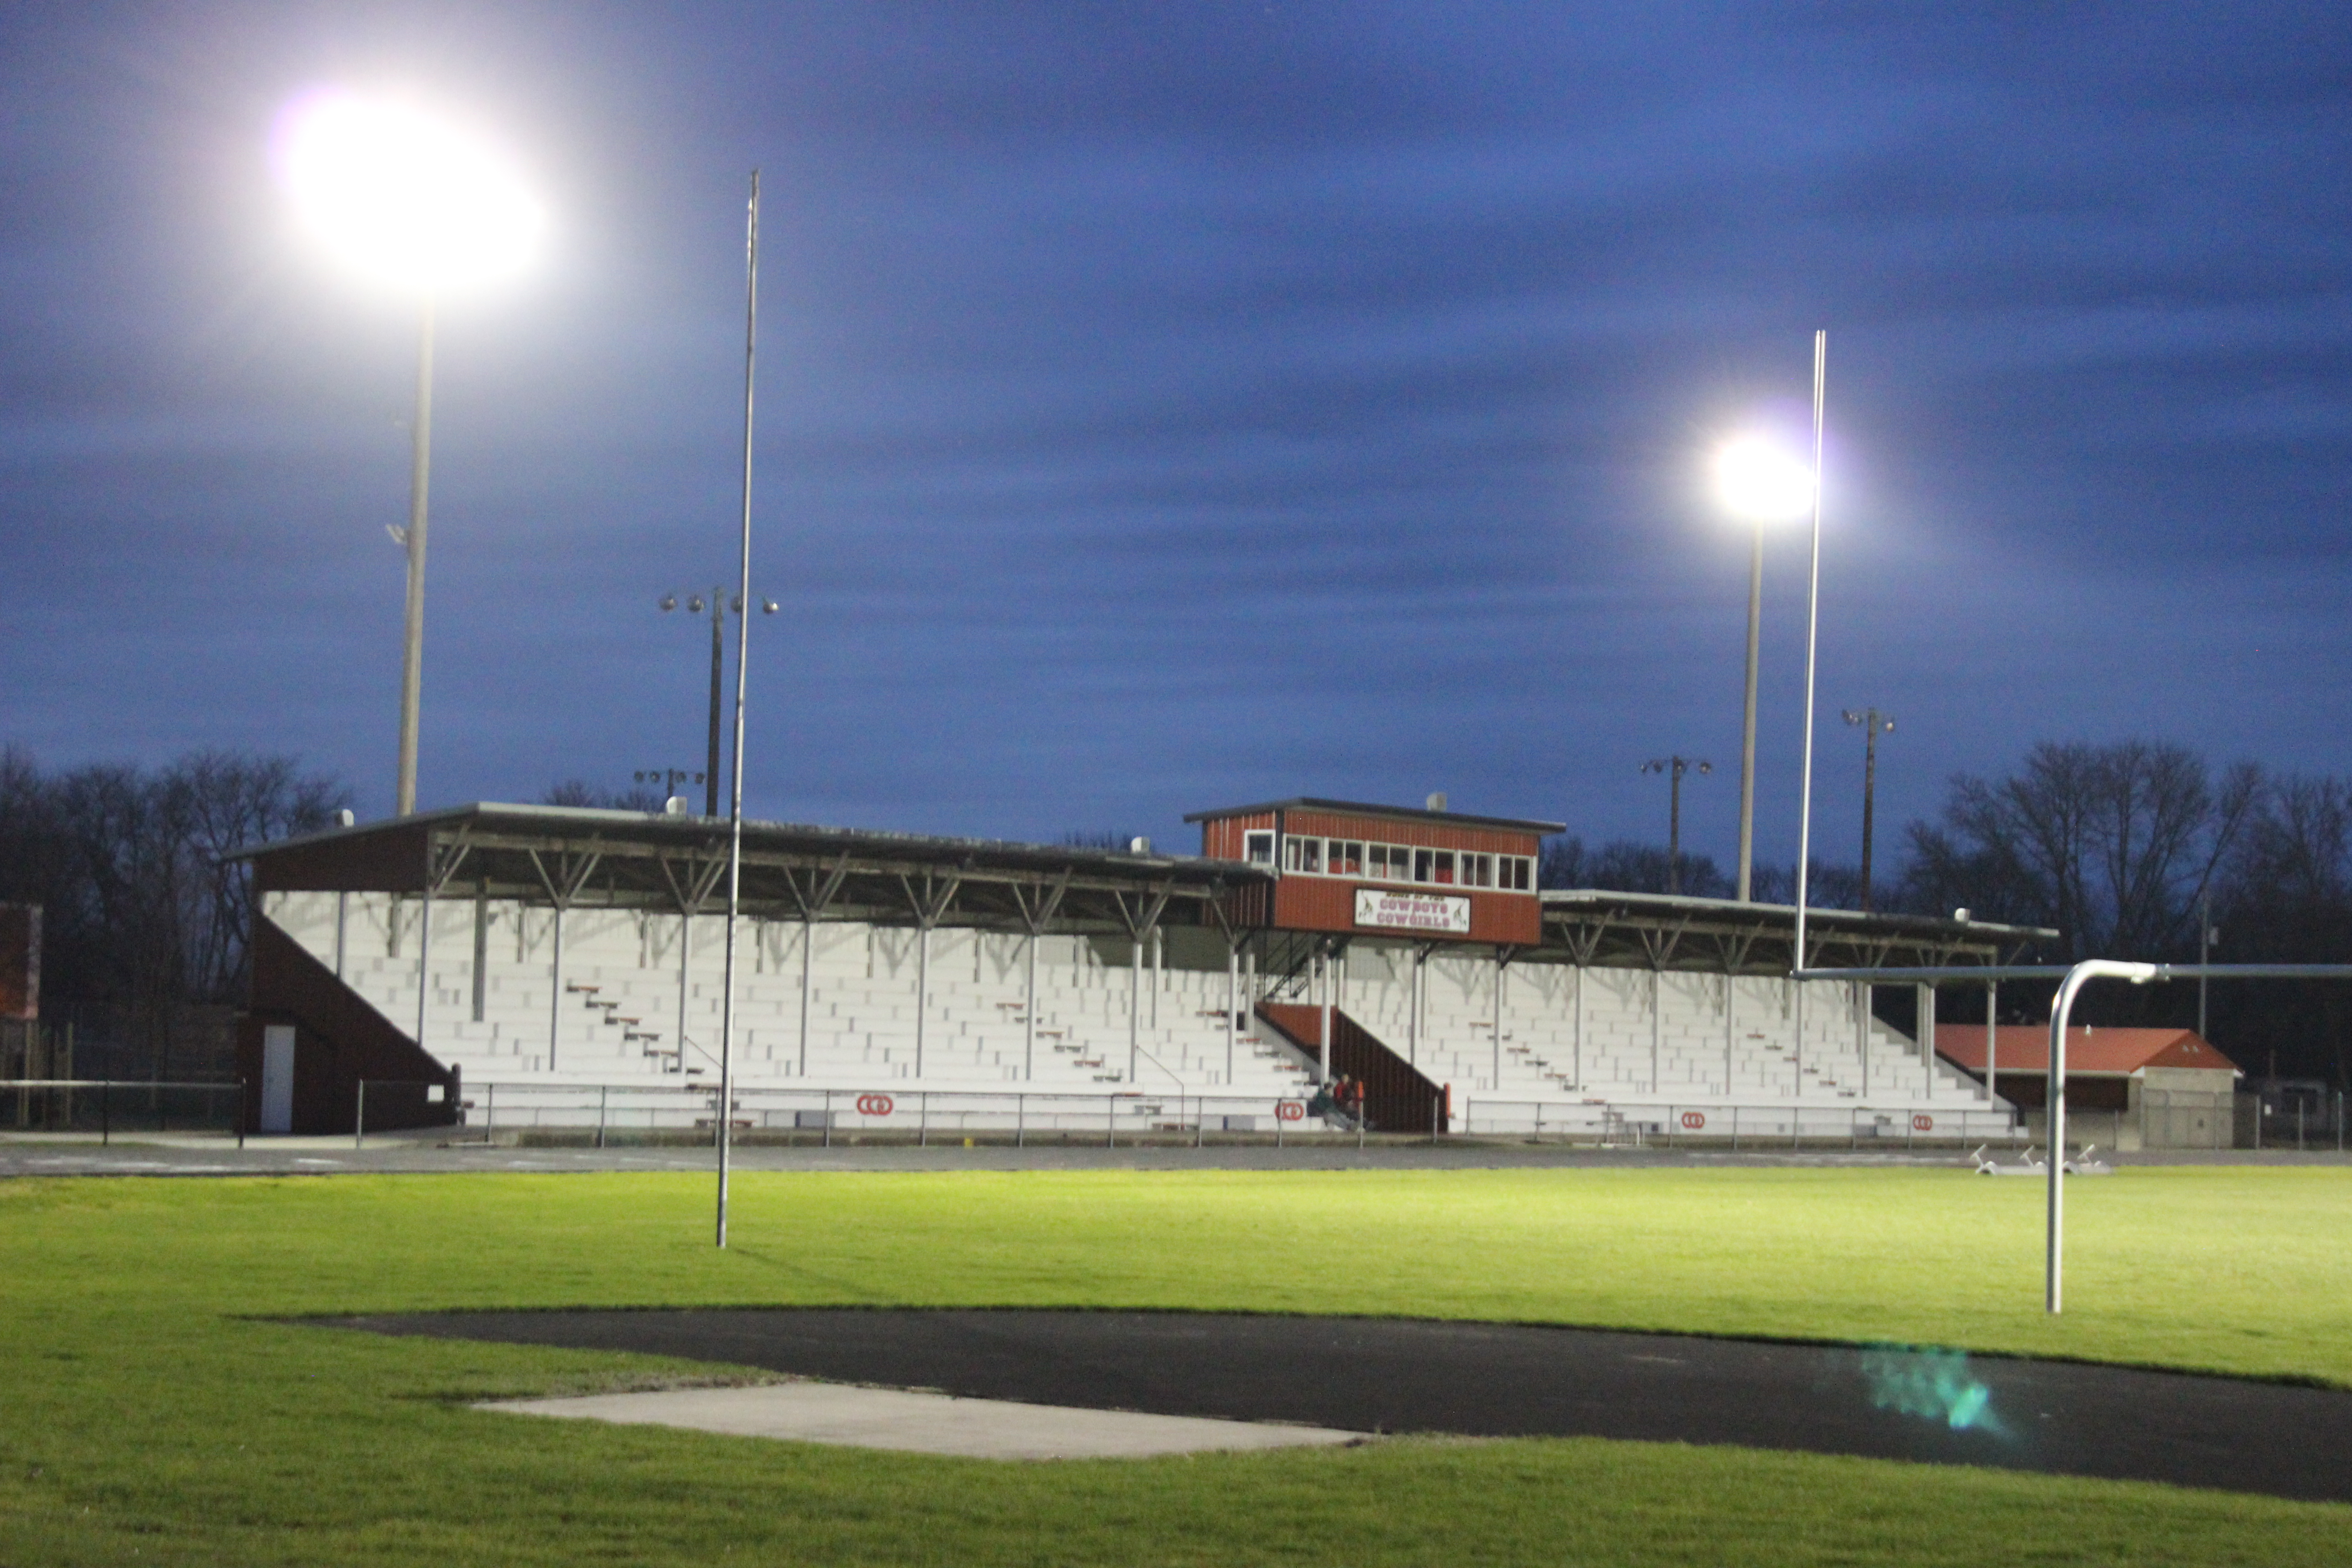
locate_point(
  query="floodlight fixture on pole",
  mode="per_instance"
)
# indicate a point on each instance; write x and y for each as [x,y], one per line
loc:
[719,605]
[411,202]
[1759,484]
[1874,724]
[1675,767]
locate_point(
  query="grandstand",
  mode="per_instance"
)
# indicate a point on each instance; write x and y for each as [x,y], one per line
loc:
[514,964]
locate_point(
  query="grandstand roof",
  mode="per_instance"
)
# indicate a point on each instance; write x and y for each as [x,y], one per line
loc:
[547,853]
[2090,1051]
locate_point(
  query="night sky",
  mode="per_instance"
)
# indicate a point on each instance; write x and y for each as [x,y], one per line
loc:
[1168,406]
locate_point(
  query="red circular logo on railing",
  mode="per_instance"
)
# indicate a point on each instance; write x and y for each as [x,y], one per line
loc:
[873,1105]
[1291,1110]
[1694,1120]
[1923,1124]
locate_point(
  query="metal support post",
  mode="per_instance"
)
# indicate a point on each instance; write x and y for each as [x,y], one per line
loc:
[359,1124]
[922,990]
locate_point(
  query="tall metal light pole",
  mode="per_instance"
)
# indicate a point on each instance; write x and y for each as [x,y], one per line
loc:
[412,642]
[1874,724]
[411,202]
[1756,482]
[1675,767]
[1747,718]
[742,654]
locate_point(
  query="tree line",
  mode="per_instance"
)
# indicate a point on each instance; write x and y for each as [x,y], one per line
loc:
[2121,849]
[143,912]
[2126,850]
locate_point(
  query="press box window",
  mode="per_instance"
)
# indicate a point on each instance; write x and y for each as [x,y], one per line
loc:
[1302,853]
[1347,858]
[1258,848]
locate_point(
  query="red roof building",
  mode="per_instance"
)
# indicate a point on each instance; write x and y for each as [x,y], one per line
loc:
[2127,1089]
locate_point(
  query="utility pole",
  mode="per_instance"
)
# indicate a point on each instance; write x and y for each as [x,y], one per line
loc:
[1875,724]
[1675,767]
[2209,937]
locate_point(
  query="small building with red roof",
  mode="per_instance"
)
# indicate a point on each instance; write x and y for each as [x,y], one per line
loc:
[2151,1088]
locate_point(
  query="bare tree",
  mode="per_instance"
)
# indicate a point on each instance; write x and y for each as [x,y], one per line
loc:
[2111,845]
[2286,897]
[1625,866]
[581,792]
[143,907]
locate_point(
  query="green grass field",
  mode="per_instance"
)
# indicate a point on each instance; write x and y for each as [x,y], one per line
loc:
[149,1414]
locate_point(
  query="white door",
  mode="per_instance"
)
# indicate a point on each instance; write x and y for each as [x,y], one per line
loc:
[277,1078]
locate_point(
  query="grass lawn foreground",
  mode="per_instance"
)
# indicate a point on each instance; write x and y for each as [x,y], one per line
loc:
[150,1412]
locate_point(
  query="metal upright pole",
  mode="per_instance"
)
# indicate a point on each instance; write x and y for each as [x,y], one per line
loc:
[1747,723]
[742,651]
[420,477]
[808,958]
[1813,648]
[1674,827]
[718,686]
[2204,956]
[1992,1044]
[1869,802]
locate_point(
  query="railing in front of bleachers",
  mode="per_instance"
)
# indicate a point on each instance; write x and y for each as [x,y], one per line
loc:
[1669,1124]
[624,1110]
[819,1115]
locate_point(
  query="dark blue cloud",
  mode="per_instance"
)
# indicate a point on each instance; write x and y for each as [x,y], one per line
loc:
[1167,406]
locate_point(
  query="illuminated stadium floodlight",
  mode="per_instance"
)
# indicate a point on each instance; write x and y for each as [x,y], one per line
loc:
[414,203]
[1757,483]
[404,198]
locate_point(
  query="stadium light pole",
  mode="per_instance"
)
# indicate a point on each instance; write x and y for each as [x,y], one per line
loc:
[1874,724]
[413,202]
[1758,483]
[742,655]
[719,608]
[1675,767]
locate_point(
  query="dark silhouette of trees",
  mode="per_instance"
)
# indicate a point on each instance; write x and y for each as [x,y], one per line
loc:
[2111,845]
[142,906]
[2286,897]
[581,792]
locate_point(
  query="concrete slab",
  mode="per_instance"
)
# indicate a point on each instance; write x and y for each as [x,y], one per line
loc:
[928,1422]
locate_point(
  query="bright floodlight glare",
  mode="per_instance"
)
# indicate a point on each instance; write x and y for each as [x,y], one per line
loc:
[402,197]
[1757,480]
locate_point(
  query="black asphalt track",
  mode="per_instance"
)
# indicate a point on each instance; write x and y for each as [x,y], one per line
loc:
[1382,1374]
